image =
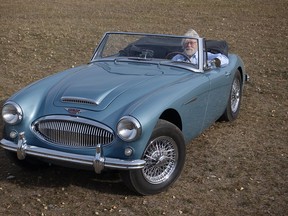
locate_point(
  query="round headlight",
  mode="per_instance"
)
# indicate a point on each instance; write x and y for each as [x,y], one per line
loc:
[12,113]
[128,128]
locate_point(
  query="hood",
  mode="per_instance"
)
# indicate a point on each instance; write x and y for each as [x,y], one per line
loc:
[99,84]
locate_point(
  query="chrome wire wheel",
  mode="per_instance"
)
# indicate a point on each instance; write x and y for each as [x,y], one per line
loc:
[234,102]
[165,155]
[161,156]
[235,95]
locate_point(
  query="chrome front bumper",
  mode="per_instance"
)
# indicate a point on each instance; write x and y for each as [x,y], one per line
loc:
[98,161]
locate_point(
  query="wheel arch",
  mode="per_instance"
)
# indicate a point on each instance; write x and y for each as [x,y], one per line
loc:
[242,74]
[172,116]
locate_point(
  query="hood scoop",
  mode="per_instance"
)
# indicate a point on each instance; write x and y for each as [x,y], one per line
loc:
[78,100]
[73,95]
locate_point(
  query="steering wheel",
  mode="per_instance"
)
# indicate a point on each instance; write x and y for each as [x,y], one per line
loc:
[179,53]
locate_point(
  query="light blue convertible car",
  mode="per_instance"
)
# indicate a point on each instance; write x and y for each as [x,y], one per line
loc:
[131,108]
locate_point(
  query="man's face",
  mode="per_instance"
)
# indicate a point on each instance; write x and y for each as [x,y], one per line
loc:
[190,46]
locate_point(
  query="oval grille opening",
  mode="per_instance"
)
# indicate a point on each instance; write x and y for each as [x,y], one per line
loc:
[72,133]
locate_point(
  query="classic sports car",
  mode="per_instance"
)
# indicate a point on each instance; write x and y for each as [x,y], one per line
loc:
[131,108]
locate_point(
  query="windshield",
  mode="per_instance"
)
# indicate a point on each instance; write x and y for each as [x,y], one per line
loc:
[149,47]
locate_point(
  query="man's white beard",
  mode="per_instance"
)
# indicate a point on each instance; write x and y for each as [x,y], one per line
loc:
[190,52]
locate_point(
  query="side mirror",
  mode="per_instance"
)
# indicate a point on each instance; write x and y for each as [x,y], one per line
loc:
[216,62]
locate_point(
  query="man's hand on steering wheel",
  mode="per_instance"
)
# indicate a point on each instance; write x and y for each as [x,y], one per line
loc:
[178,53]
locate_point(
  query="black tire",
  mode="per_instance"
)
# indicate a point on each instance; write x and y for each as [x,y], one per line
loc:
[234,102]
[165,157]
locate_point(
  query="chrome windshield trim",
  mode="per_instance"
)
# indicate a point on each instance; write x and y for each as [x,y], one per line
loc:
[99,49]
[201,54]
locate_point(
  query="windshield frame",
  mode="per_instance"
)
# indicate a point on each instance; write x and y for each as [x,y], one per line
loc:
[97,55]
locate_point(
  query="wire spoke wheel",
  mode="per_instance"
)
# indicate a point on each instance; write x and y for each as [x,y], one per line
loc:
[165,155]
[235,95]
[161,158]
[233,106]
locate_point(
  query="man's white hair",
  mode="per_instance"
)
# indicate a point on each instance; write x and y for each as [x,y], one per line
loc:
[191,33]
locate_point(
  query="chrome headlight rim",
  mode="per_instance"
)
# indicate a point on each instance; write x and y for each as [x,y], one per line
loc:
[129,129]
[12,113]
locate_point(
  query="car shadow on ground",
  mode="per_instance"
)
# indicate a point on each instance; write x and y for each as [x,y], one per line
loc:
[53,176]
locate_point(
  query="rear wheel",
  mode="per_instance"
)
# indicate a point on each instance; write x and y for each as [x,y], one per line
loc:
[165,158]
[233,105]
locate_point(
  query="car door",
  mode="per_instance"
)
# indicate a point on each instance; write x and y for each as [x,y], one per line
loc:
[220,84]
[194,104]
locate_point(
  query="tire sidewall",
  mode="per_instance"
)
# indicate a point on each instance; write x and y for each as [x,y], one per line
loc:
[229,115]
[138,180]
[235,114]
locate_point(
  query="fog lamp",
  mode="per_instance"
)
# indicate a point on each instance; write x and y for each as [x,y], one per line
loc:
[13,134]
[128,151]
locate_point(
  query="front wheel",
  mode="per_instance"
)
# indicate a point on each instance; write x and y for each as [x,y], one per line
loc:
[165,157]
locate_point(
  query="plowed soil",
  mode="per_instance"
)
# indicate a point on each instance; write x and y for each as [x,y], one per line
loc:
[238,168]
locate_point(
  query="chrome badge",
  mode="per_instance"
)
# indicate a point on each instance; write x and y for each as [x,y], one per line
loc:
[73,111]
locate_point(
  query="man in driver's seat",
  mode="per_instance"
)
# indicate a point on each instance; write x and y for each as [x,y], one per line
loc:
[190,47]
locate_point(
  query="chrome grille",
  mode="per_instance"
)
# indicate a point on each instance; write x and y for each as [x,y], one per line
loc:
[73,132]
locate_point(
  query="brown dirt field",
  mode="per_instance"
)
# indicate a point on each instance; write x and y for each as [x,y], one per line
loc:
[238,168]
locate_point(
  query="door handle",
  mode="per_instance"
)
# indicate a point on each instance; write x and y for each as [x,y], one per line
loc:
[227,73]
